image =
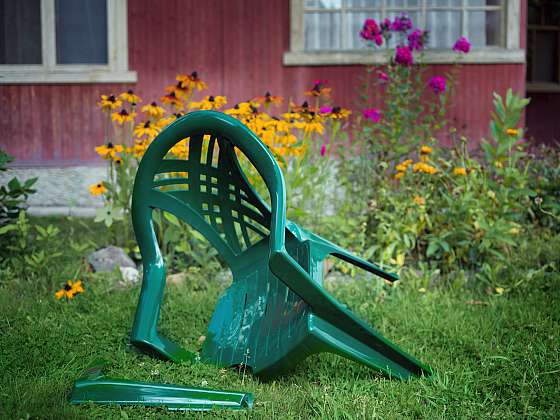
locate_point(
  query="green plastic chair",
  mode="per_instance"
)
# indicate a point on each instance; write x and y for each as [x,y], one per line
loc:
[276,312]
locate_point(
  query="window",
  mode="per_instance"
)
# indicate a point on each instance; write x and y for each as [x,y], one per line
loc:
[543,47]
[64,41]
[326,31]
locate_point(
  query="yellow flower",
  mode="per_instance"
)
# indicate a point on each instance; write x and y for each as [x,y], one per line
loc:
[319,89]
[268,99]
[401,167]
[108,151]
[139,148]
[109,103]
[181,149]
[97,189]
[69,290]
[172,99]
[130,97]
[146,129]
[164,122]
[513,132]
[209,103]
[460,171]
[425,150]
[193,81]
[123,116]
[118,160]
[498,164]
[424,167]
[420,201]
[500,290]
[399,175]
[153,110]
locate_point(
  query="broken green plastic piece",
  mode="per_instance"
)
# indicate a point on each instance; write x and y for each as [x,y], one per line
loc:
[276,312]
[93,386]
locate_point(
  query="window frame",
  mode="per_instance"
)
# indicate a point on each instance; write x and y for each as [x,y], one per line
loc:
[115,71]
[511,53]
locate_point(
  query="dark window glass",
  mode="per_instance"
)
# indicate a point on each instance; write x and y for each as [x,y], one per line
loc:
[81,31]
[20,32]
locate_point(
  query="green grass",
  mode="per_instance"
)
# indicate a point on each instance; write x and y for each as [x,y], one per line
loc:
[500,358]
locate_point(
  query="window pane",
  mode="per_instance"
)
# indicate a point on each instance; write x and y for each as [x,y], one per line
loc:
[544,60]
[323,4]
[485,28]
[370,4]
[322,31]
[444,27]
[81,31]
[20,32]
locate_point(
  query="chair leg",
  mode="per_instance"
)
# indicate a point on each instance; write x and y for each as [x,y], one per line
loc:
[386,358]
[144,330]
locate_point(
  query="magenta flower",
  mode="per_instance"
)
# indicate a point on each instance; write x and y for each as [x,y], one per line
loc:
[401,23]
[325,109]
[372,114]
[324,149]
[417,39]
[437,84]
[370,30]
[384,77]
[386,25]
[404,55]
[462,45]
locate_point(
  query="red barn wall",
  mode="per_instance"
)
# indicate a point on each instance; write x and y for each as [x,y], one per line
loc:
[236,46]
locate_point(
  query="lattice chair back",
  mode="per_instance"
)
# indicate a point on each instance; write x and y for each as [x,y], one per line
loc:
[276,312]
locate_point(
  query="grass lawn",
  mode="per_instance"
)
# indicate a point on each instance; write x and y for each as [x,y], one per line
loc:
[498,356]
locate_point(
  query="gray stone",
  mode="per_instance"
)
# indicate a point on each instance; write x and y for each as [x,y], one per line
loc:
[107,259]
[130,276]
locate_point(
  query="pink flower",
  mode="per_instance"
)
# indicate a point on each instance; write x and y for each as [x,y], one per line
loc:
[401,23]
[386,25]
[417,39]
[437,83]
[325,109]
[372,114]
[370,30]
[404,55]
[384,77]
[462,45]
[324,149]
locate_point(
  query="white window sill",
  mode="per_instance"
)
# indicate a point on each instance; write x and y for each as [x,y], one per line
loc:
[481,56]
[38,76]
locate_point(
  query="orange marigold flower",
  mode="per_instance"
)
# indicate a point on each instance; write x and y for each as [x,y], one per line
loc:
[419,200]
[425,150]
[399,175]
[460,171]
[513,132]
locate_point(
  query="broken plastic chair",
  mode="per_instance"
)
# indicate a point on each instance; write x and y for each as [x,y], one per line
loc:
[276,312]
[94,386]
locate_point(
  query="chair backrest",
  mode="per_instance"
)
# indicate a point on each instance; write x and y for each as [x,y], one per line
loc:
[207,187]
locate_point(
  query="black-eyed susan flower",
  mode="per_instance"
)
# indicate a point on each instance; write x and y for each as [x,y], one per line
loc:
[209,103]
[130,97]
[319,89]
[181,89]
[123,116]
[146,129]
[118,160]
[268,99]
[69,290]
[335,112]
[153,110]
[194,82]
[108,151]
[109,102]
[139,148]
[97,189]
[172,99]
[164,122]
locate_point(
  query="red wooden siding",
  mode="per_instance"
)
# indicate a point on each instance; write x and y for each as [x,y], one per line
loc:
[236,46]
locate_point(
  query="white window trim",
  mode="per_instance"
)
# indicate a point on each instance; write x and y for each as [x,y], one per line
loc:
[512,53]
[116,71]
